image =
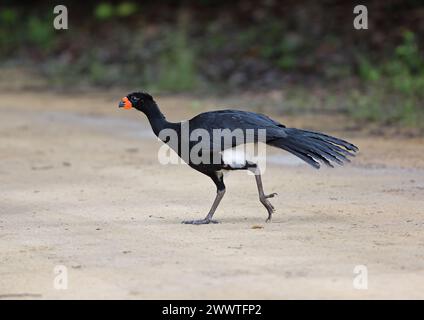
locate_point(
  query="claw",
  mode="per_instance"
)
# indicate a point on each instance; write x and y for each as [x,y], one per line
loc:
[269,207]
[272,195]
[198,222]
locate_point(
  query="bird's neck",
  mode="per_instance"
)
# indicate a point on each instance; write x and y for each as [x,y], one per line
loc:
[157,119]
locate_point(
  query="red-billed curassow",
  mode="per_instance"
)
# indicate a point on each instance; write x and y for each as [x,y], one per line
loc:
[312,147]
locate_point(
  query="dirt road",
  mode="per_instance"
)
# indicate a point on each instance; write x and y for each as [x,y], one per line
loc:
[80,186]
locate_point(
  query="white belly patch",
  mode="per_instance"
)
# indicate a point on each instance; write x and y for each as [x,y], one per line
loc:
[235,158]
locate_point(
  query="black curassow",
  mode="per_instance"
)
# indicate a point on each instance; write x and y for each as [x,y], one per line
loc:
[311,147]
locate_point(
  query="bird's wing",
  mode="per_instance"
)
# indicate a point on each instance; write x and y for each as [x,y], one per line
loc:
[236,122]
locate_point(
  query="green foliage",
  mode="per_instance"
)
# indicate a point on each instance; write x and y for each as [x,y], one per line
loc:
[394,89]
[8,17]
[273,43]
[8,27]
[367,71]
[173,54]
[177,62]
[40,32]
[408,52]
[16,31]
[126,9]
[410,114]
[367,106]
[97,71]
[287,61]
[106,11]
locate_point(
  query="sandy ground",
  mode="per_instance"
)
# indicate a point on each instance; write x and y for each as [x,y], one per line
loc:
[80,186]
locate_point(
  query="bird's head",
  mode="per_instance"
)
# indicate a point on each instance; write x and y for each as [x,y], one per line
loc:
[138,100]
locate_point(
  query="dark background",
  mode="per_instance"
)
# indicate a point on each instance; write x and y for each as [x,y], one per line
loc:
[306,53]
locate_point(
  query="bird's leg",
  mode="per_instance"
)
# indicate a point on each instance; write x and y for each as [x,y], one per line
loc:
[263,198]
[208,218]
[218,179]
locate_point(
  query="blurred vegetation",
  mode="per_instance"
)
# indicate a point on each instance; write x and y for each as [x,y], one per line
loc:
[308,51]
[177,70]
[392,90]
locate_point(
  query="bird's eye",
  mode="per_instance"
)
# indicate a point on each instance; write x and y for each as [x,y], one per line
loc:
[134,99]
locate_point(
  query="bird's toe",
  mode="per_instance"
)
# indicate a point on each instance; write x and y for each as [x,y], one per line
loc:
[198,222]
[268,205]
[272,195]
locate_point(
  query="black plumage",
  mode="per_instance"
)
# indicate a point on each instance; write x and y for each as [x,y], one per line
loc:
[312,147]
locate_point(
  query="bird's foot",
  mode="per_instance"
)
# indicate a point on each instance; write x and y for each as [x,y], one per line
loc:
[269,207]
[201,221]
[272,195]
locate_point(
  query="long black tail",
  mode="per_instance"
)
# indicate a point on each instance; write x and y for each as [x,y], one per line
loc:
[314,147]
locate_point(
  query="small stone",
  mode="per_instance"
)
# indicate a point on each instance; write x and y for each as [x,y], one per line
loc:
[257,226]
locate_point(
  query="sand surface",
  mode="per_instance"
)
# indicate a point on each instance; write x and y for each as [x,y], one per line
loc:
[81,186]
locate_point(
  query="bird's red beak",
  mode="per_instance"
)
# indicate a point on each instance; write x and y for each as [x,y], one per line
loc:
[125,103]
